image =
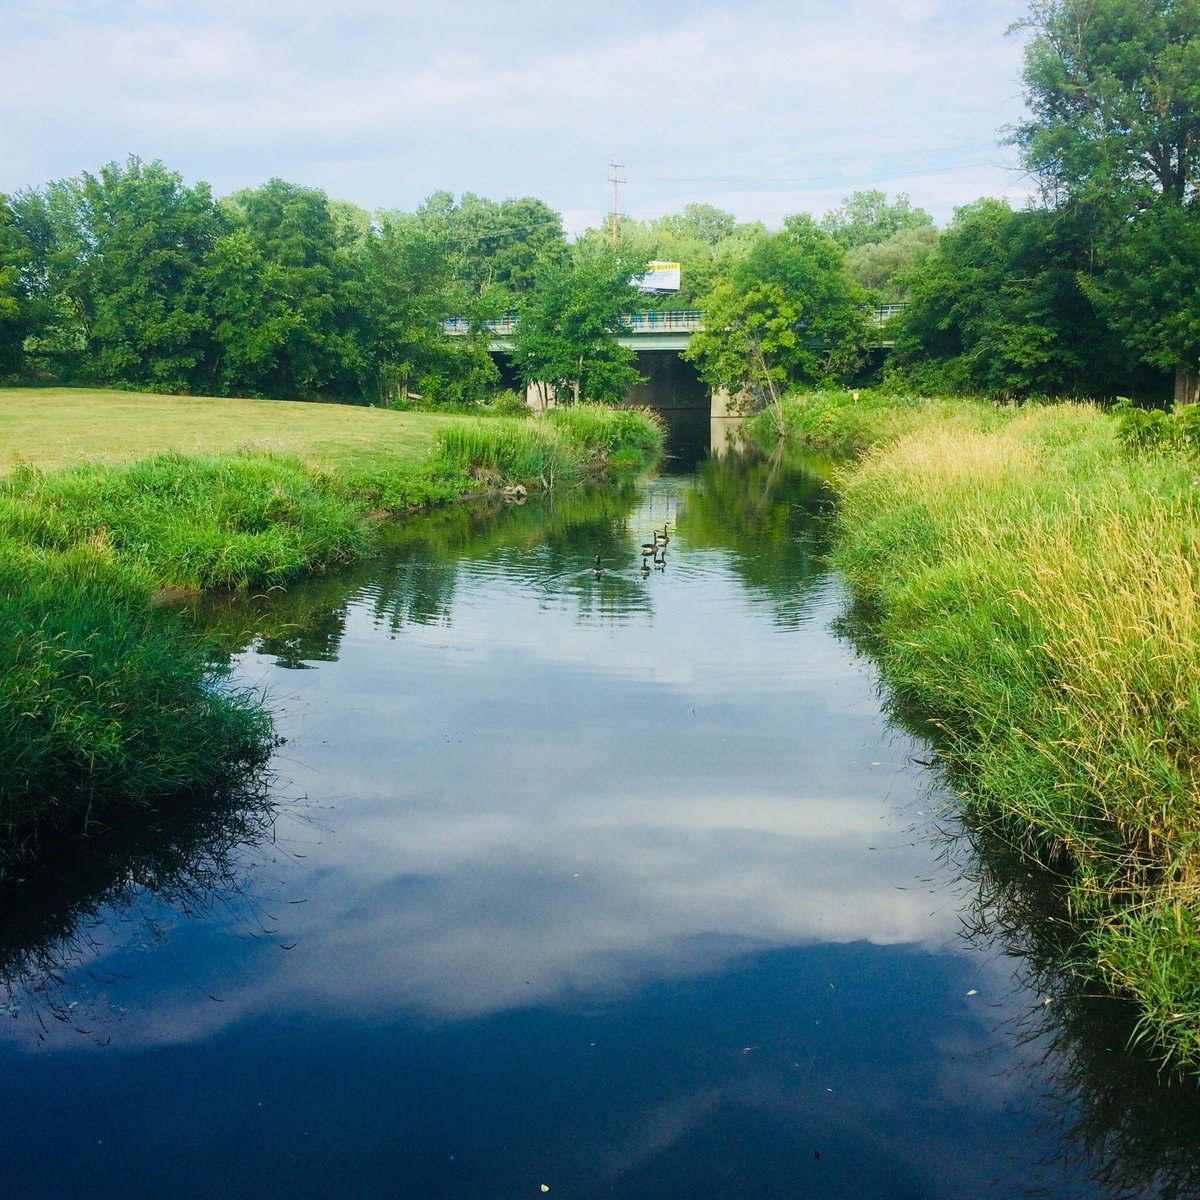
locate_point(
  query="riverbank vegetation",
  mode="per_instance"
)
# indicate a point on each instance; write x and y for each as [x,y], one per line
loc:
[1029,580]
[112,702]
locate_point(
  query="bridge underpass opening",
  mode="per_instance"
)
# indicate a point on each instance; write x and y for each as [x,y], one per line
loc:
[669,384]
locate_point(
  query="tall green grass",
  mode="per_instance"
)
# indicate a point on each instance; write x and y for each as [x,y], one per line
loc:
[107,701]
[569,445]
[1033,592]
[218,520]
[624,438]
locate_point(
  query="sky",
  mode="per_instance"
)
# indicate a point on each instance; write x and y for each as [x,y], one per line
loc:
[763,108]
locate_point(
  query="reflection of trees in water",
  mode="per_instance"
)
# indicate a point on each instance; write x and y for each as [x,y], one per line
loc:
[1134,1129]
[769,513]
[190,855]
[766,512]
[548,543]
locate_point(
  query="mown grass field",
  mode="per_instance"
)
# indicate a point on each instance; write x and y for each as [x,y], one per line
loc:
[55,427]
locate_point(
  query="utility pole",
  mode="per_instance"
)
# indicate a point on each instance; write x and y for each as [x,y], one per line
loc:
[615,180]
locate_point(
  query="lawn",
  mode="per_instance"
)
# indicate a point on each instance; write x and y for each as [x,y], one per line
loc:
[54,427]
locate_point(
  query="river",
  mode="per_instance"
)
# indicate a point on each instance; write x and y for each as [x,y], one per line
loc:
[566,883]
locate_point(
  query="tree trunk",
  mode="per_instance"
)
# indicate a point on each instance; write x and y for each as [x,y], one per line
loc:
[1187,385]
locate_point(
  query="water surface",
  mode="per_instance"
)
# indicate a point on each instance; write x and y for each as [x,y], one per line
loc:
[611,884]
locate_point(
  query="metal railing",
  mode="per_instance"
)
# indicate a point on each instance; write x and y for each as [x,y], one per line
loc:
[500,326]
[665,320]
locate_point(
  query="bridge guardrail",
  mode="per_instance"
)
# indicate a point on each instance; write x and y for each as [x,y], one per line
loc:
[664,320]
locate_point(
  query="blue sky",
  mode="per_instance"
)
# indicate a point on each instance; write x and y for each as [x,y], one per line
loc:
[763,108]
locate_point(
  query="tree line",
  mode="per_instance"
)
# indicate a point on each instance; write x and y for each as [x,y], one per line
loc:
[130,278]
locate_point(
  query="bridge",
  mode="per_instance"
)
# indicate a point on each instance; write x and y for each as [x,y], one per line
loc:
[660,329]
[657,336]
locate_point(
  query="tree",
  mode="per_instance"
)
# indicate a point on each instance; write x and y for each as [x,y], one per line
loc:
[252,317]
[866,218]
[1113,88]
[115,272]
[997,307]
[883,267]
[786,314]
[699,222]
[495,249]
[310,284]
[566,338]
[14,254]
[409,289]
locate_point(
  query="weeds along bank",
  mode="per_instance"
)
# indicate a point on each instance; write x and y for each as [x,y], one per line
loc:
[110,700]
[1032,583]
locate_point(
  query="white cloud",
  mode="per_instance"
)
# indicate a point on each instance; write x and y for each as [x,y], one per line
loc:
[766,109]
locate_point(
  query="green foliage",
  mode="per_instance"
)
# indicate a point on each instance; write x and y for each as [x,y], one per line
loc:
[213,521]
[884,268]
[1144,430]
[845,425]
[14,306]
[568,446]
[1113,89]
[312,295]
[493,250]
[786,315]
[504,452]
[108,702]
[602,432]
[997,308]
[866,218]
[119,258]
[1149,288]
[506,403]
[566,338]
[706,241]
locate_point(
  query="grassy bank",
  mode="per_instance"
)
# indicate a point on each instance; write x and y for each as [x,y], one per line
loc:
[1032,586]
[108,701]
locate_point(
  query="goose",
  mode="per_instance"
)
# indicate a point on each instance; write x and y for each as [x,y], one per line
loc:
[649,548]
[661,539]
[597,569]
